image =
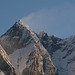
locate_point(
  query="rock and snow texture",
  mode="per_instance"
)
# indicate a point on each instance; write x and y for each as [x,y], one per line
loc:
[62,52]
[6,68]
[26,53]
[21,57]
[30,53]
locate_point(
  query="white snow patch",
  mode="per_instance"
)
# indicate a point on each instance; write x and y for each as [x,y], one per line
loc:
[16,37]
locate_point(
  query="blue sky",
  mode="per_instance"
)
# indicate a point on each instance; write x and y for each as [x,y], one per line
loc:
[53,16]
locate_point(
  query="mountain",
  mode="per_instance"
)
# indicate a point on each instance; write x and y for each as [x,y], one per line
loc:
[29,53]
[6,68]
[62,52]
[26,52]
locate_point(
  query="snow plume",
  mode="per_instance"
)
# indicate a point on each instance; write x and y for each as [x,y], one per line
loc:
[57,20]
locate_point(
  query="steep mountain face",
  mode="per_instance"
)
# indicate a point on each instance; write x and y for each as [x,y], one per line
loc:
[26,53]
[6,67]
[62,52]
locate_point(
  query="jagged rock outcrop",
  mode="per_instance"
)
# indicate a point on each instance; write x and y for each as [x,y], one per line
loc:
[49,42]
[23,44]
[6,67]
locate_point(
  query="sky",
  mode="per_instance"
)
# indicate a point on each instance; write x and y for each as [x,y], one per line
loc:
[56,17]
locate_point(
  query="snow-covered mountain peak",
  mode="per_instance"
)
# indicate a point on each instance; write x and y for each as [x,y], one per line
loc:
[31,54]
[20,22]
[18,36]
[23,44]
[17,29]
[43,35]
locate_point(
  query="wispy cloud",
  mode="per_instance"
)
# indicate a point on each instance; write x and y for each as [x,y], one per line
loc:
[59,21]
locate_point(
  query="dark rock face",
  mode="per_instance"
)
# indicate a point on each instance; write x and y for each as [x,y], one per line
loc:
[5,64]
